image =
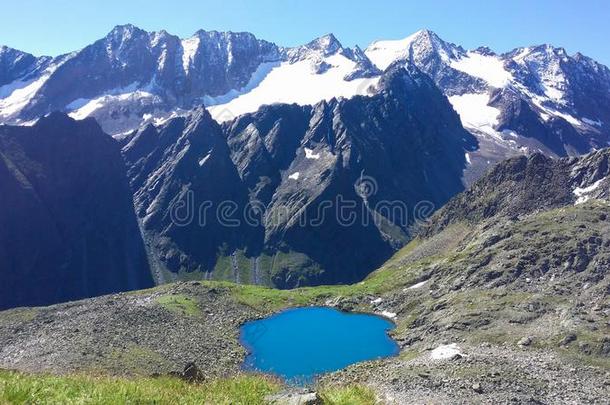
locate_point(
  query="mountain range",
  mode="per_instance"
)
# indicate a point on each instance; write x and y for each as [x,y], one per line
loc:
[223,118]
[531,98]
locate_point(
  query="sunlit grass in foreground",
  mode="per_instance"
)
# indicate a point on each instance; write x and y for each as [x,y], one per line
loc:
[20,388]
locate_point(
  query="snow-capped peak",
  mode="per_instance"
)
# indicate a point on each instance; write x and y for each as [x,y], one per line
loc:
[419,45]
[328,44]
[154,75]
[123,32]
[319,48]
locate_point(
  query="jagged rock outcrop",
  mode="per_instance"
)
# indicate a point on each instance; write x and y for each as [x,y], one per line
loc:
[528,184]
[322,194]
[181,173]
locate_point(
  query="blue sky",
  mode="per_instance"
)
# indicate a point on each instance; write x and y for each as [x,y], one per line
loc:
[58,26]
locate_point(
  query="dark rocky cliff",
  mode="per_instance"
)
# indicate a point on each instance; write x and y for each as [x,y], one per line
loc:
[67,225]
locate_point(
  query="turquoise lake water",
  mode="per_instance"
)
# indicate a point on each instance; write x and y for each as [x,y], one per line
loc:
[298,344]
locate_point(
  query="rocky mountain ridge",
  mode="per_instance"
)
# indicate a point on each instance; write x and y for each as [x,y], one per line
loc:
[530,99]
[286,166]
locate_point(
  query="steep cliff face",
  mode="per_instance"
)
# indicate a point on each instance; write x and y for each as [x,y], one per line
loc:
[182,176]
[68,228]
[320,194]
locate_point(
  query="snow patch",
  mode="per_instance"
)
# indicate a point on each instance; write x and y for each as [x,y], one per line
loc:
[15,96]
[204,159]
[257,77]
[520,57]
[486,67]
[446,352]
[376,301]
[553,93]
[384,53]
[596,123]
[82,108]
[417,285]
[475,113]
[310,155]
[189,49]
[78,103]
[467,156]
[289,83]
[542,103]
[294,176]
[582,193]
[570,118]
[388,314]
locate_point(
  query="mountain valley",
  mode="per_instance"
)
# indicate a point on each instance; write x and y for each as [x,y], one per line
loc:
[159,192]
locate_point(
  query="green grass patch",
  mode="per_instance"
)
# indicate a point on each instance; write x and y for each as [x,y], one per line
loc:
[378,282]
[348,395]
[132,360]
[179,304]
[17,388]
[407,355]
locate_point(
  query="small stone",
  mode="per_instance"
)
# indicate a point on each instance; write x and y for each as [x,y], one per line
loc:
[191,372]
[309,398]
[585,348]
[476,387]
[605,348]
[526,341]
[569,338]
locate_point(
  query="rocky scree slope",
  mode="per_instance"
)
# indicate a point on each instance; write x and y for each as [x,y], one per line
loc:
[523,185]
[505,294]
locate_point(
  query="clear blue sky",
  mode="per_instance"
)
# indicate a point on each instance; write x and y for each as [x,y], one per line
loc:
[52,27]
